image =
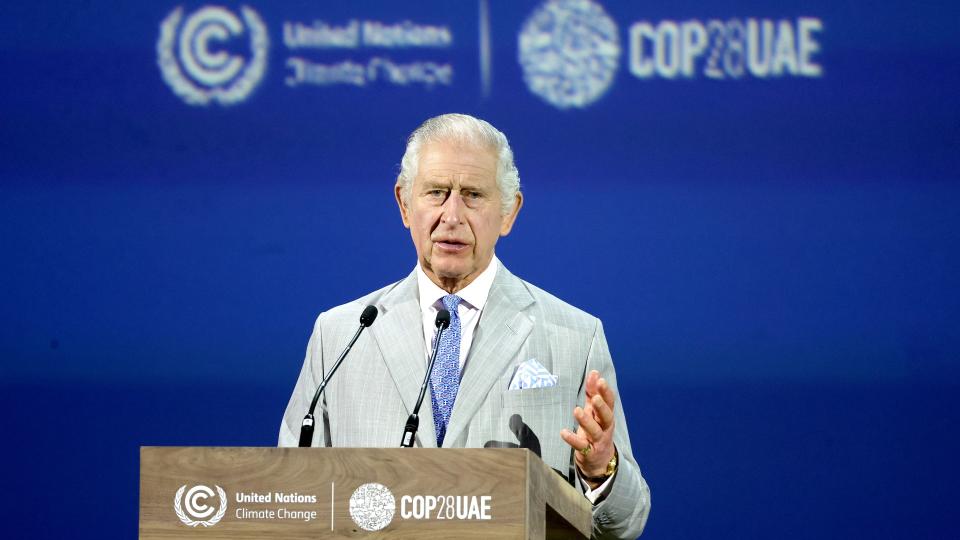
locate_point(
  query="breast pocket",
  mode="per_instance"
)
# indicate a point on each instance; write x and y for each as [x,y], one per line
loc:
[527,398]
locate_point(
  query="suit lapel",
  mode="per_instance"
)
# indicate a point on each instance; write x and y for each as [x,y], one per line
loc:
[501,331]
[399,335]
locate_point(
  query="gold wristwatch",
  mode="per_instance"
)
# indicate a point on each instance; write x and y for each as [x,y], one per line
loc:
[611,469]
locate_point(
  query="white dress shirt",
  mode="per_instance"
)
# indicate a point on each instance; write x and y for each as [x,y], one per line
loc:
[474,297]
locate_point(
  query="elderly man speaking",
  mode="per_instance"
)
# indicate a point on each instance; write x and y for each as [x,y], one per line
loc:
[515,367]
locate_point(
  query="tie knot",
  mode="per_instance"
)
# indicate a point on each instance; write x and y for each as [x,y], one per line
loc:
[451,301]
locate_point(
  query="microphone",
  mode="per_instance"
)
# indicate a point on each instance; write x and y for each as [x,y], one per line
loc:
[413,422]
[306,428]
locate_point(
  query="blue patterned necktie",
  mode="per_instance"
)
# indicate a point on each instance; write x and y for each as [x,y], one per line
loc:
[445,377]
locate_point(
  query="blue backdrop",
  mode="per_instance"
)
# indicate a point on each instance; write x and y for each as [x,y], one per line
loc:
[759,200]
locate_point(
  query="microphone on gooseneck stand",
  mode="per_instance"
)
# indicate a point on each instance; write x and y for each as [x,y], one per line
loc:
[306,428]
[413,422]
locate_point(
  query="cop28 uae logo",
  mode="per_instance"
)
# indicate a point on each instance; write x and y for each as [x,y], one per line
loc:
[569,51]
[192,509]
[196,57]
[372,506]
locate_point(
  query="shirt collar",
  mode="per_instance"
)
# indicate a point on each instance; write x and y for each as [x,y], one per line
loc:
[475,293]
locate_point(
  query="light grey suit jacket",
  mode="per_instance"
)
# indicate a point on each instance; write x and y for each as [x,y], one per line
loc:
[376,388]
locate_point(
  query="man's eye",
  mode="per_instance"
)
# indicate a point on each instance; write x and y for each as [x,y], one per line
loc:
[436,193]
[474,195]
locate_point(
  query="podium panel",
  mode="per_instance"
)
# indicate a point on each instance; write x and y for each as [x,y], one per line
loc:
[221,492]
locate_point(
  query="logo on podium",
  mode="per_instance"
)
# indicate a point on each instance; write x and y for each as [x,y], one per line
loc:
[372,506]
[192,509]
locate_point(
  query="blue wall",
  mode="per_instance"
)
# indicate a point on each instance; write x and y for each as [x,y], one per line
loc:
[775,258]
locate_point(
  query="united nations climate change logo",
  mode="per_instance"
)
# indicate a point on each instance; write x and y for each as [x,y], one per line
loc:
[195,57]
[193,511]
[569,51]
[372,506]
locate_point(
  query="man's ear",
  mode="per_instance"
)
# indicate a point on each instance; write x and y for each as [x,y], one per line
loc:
[398,193]
[506,222]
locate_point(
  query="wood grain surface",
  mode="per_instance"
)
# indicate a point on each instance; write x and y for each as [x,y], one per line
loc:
[517,483]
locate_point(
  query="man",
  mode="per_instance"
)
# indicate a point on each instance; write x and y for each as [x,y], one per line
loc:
[516,367]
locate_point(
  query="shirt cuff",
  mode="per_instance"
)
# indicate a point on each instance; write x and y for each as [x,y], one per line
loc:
[594,495]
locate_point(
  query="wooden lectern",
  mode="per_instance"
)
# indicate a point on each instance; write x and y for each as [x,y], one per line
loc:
[221,493]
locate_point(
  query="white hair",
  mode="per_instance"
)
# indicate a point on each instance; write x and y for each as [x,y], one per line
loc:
[464,129]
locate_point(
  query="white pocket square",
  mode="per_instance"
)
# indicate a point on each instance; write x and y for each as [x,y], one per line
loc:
[532,374]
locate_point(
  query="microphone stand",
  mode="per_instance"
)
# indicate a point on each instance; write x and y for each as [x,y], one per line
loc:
[413,421]
[306,428]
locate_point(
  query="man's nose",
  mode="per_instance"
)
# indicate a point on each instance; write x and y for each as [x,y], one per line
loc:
[453,208]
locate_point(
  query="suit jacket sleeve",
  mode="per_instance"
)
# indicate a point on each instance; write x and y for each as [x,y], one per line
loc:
[623,512]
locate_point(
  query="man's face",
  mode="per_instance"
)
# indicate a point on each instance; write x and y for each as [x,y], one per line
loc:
[453,212]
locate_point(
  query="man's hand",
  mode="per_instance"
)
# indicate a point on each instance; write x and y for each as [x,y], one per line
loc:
[593,440]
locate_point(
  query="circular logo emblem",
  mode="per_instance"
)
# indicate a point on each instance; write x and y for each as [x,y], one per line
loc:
[372,506]
[197,59]
[569,51]
[192,507]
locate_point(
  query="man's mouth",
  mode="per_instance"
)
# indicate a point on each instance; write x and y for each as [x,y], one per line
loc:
[450,245]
